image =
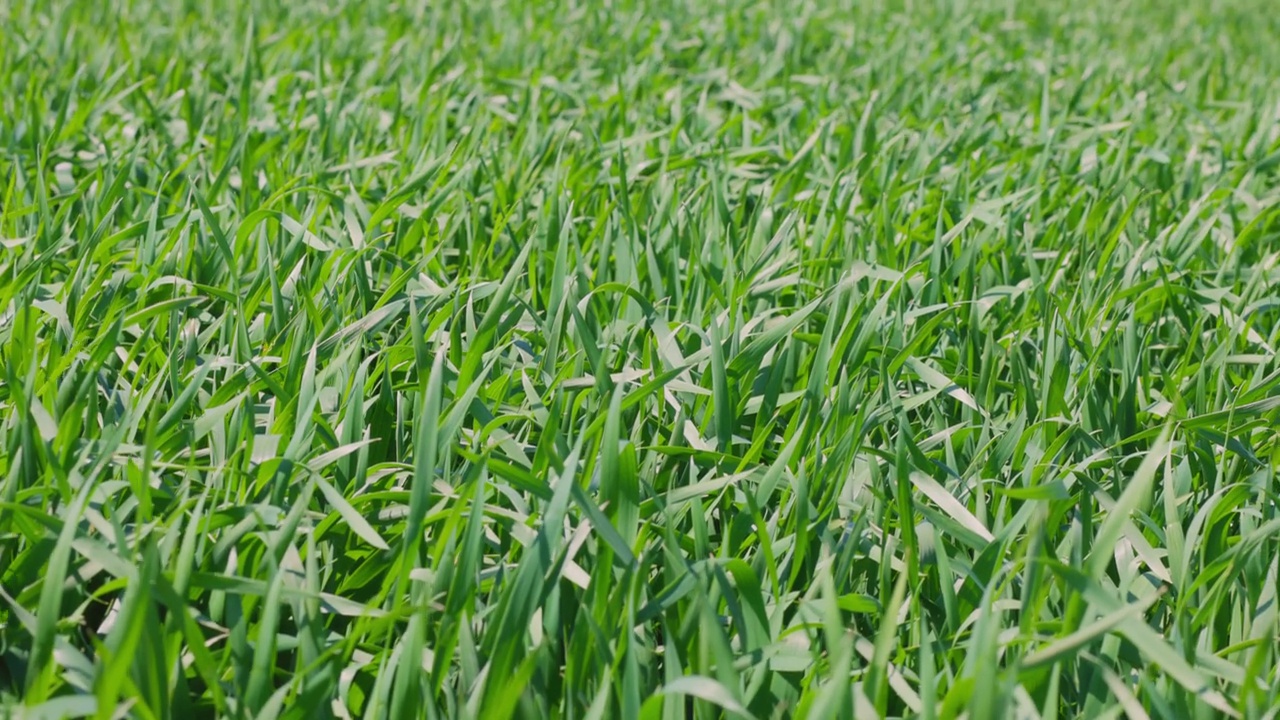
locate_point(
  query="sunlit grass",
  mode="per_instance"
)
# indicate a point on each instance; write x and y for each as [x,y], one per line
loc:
[639,359]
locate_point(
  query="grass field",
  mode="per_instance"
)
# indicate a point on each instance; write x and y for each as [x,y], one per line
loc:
[639,359]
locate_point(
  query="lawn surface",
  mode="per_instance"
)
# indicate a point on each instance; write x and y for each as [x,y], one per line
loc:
[639,358]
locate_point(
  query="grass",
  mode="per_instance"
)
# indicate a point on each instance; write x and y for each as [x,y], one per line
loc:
[639,359]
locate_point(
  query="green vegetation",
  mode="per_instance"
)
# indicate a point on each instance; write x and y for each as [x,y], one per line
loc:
[639,359]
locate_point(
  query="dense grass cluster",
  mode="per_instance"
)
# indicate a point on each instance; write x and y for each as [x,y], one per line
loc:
[639,358]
